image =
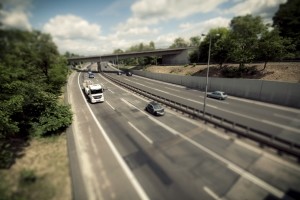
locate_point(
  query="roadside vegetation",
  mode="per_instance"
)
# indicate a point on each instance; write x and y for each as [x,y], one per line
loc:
[33,117]
[247,40]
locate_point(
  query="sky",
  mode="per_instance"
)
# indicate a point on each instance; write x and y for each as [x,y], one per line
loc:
[97,27]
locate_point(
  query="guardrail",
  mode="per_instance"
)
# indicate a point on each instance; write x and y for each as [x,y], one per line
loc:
[263,138]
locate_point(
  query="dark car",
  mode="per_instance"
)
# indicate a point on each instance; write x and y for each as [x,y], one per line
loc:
[128,73]
[91,75]
[155,108]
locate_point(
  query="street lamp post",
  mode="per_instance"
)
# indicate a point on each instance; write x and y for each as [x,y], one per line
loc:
[207,72]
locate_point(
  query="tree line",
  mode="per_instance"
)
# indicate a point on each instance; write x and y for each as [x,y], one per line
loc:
[247,39]
[31,80]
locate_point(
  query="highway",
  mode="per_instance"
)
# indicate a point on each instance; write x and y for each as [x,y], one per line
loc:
[122,152]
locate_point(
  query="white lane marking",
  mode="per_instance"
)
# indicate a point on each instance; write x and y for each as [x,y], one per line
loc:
[161,82]
[286,117]
[196,123]
[149,82]
[273,189]
[141,133]
[230,165]
[238,169]
[119,158]
[111,91]
[201,103]
[110,105]
[264,121]
[172,89]
[152,119]
[211,193]
[281,126]
[84,164]
[219,134]
[294,110]
[128,80]
[257,181]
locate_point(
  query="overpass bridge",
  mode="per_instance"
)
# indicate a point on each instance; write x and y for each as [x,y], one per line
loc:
[176,56]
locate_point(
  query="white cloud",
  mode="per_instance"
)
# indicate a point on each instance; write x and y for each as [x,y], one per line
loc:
[264,8]
[188,30]
[72,27]
[151,12]
[15,14]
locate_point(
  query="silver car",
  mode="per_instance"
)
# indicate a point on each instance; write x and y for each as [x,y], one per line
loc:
[217,95]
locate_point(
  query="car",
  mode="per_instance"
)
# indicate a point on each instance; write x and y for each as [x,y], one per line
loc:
[217,95]
[128,73]
[155,108]
[119,73]
[91,75]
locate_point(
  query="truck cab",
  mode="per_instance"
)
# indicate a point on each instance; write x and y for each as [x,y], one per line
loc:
[94,92]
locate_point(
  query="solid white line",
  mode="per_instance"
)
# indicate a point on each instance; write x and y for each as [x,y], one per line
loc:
[257,181]
[161,82]
[119,158]
[211,193]
[238,169]
[294,110]
[286,117]
[141,133]
[172,89]
[264,121]
[230,165]
[281,126]
[110,105]
[149,82]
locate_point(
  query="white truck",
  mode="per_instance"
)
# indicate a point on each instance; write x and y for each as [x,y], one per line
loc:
[93,91]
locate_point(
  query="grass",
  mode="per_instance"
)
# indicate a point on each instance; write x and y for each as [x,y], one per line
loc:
[41,173]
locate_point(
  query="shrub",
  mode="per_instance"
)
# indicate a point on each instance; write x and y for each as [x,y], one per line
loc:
[27,176]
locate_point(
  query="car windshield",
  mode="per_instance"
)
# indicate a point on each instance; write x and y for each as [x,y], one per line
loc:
[99,91]
[157,106]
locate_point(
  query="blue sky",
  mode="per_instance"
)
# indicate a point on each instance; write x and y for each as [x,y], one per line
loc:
[94,27]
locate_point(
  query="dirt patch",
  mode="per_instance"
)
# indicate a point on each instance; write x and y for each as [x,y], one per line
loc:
[279,71]
[41,173]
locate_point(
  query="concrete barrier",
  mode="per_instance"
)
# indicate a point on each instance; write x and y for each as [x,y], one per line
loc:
[281,93]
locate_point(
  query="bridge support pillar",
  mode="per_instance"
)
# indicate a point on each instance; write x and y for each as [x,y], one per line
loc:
[99,67]
[178,59]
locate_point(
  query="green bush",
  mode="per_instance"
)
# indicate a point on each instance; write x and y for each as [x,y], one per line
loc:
[27,176]
[55,118]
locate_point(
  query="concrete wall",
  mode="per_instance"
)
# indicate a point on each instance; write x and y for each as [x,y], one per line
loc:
[176,59]
[282,93]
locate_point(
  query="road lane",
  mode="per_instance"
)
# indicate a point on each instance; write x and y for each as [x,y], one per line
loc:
[186,165]
[237,151]
[244,113]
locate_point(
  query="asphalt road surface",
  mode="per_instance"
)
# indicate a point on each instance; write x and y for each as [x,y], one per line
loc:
[119,151]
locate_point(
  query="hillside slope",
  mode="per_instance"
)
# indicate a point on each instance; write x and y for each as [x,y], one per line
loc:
[279,71]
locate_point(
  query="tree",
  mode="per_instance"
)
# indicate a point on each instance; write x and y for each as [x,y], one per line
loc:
[273,47]
[118,51]
[244,38]
[221,45]
[179,43]
[287,20]
[195,41]
[152,45]
[32,74]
